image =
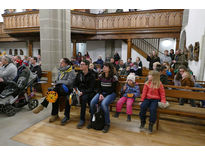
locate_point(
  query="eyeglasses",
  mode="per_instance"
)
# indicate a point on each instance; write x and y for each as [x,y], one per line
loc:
[82,64]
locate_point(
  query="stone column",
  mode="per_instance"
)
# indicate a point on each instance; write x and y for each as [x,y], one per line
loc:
[55,37]
[109,48]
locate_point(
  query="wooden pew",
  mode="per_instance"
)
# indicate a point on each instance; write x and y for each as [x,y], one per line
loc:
[174,108]
[46,80]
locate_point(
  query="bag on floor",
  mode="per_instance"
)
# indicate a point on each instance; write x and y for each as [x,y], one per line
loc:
[98,120]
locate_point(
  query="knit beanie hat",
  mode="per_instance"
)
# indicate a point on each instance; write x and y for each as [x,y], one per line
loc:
[131,76]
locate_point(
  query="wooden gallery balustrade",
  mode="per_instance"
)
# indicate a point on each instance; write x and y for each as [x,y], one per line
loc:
[21,22]
[140,24]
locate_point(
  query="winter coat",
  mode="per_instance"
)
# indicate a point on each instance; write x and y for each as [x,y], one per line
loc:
[165,58]
[152,60]
[36,69]
[66,76]
[187,82]
[8,72]
[153,93]
[85,83]
[131,90]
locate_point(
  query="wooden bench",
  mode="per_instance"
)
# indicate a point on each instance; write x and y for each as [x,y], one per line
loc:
[174,108]
[46,80]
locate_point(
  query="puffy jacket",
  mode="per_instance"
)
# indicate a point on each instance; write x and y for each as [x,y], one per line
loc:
[8,72]
[66,76]
[152,93]
[133,90]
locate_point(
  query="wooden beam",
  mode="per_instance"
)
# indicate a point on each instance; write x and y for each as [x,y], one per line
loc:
[129,47]
[74,48]
[177,43]
[30,48]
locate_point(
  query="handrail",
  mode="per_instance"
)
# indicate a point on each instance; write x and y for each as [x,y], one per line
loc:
[152,46]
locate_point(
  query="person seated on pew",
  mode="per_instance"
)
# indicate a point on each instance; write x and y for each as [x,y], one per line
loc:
[125,71]
[121,66]
[152,93]
[163,75]
[129,92]
[137,67]
[85,82]
[129,62]
[92,68]
[8,71]
[63,87]
[106,94]
[169,71]
[187,81]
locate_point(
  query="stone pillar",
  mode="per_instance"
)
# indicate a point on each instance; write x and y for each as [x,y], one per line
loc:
[129,47]
[109,48]
[30,48]
[55,37]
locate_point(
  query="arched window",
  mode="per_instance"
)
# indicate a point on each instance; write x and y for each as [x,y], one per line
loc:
[15,52]
[21,52]
[10,51]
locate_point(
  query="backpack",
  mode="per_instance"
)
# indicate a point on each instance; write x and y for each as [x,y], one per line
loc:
[98,119]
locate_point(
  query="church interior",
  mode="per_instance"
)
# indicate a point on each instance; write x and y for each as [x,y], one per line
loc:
[103,51]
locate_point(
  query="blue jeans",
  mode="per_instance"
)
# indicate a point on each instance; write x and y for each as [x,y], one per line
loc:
[104,105]
[152,104]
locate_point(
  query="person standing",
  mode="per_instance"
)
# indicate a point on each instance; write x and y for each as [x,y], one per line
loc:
[152,58]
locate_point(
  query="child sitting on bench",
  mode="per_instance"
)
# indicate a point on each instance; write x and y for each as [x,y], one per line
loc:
[129,92]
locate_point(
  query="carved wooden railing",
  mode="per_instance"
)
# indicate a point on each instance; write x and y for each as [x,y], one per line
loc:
[81,22]
[127,21]
[21,22]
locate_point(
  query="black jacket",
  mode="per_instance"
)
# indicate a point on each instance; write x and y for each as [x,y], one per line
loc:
[36,69]
[85,83]
[152,60]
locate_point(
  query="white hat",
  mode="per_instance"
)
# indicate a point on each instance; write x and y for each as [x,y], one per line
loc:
[131,76]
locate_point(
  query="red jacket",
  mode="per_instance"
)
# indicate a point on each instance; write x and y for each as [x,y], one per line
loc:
[151,93]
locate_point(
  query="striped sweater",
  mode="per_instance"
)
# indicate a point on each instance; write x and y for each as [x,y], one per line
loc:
[107,85]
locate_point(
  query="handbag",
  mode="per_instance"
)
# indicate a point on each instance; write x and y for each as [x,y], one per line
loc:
[163,105]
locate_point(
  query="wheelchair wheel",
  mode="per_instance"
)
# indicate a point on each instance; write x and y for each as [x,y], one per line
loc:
[9,110]
[32,104]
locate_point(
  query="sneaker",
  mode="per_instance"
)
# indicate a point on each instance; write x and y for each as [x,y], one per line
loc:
[38,109]
[89,125]
[64,120]
[116,115]
[106,128]
[81,124]
[150,129]
[53,118]
[129,118]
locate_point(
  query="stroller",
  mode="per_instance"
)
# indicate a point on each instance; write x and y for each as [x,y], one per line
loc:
[15,95]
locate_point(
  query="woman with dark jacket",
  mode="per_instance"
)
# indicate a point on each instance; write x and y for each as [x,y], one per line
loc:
[106,94]
[152,58]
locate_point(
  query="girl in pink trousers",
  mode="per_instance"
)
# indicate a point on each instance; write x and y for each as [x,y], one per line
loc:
[129,92]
